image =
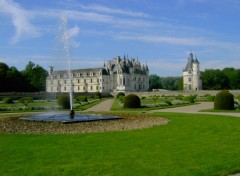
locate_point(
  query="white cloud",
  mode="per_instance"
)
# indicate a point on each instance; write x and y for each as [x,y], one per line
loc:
[74,32]
[108,10]
[20,20]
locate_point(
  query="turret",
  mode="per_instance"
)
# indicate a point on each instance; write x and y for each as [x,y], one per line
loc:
[50,71]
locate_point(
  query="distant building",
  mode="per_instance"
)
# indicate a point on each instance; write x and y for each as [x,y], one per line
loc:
[191,74]
[118,74]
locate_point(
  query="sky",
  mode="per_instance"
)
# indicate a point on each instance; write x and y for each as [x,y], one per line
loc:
[159,33]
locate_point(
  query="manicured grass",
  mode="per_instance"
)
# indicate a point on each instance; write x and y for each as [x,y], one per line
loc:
[188,145]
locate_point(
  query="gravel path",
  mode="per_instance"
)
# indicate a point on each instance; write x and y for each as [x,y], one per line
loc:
[101,107]
[196,108]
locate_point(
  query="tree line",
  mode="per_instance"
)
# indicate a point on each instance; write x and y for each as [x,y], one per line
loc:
[212,79]
[216,79]
[31,79]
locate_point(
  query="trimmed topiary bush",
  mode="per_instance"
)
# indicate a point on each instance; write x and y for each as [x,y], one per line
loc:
[132,101]
[224,100]
[120,94]
[97,95]
[26,100]
[190,98]
[64,101]
[8,100]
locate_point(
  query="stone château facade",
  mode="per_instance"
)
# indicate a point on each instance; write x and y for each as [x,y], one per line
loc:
[192,75]
[118,74]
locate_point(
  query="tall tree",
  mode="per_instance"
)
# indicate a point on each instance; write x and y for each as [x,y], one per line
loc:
[233,76]
[214,80]
[36,76]
[3,76]
[154,82]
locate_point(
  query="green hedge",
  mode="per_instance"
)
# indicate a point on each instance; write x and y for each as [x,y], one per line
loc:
[64,101]
[132,101]
[224,100]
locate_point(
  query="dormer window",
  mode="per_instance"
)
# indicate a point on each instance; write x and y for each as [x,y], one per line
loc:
[78,74]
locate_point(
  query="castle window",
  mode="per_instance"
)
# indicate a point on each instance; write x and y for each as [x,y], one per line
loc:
[78,80]
[91,74]
[91,80]
[189,71]
[96,87]
[120,81]
[78,74]
[91,87]
[65,81]
[189,79]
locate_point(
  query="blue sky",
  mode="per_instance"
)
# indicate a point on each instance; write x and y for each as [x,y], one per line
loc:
[160,33]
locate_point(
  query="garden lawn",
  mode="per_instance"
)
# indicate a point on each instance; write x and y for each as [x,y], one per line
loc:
[189,145]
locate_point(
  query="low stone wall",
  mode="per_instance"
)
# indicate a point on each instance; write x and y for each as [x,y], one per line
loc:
[170,93]
[41,95]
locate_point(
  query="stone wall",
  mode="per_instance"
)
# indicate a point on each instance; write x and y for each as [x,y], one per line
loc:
[169,93]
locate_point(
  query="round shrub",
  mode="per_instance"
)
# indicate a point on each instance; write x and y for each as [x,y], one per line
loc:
[210,98]
[120,94]
[224,100]
[97,95]
[8,100]
[82,98]
[132,101]
[64,101]
[26,100]
[190,98]
[121,99]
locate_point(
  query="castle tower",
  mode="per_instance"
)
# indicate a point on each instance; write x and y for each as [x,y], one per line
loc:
[192,75]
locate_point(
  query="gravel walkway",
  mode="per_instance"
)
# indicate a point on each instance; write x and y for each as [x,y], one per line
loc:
[101,107]
[196,108]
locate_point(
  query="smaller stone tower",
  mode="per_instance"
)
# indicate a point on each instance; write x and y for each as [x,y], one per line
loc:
[192,75]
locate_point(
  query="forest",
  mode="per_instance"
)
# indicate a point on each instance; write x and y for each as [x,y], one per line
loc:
[31,79]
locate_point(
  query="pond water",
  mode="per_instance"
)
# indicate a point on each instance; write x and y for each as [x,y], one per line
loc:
[66,118]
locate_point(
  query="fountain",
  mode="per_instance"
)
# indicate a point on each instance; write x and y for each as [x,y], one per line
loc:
[71,117]
[65,41]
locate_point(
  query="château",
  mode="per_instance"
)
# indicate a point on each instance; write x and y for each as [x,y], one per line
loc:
[118,74]
[192,75]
